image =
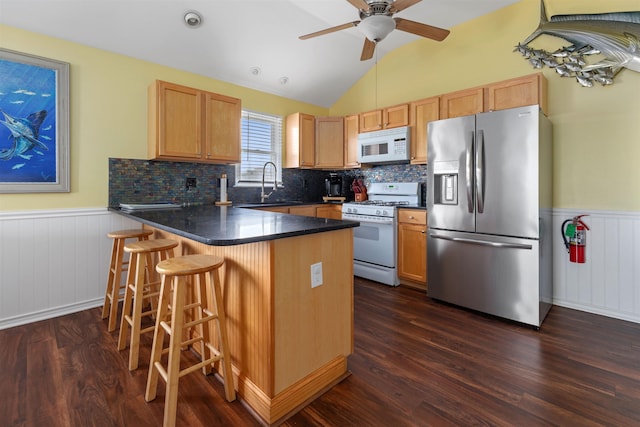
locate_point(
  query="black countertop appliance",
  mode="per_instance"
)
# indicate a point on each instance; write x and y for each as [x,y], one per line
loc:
[333,185]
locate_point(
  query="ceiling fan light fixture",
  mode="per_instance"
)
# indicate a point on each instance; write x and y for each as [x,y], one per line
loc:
[377,27]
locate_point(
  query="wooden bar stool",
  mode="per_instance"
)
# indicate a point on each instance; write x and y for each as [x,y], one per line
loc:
[140,287]
[117,265]
[175,272]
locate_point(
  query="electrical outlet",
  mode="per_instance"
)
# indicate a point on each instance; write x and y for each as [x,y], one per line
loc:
[190,183]
[316,274]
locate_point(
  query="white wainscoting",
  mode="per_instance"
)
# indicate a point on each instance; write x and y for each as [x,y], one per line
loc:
[54,262]
[608,283]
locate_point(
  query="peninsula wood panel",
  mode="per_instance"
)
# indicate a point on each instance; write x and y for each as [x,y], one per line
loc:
[312,324]
[246,279]
[288,342]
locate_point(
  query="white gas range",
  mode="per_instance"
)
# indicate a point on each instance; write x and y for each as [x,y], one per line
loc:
[375,241]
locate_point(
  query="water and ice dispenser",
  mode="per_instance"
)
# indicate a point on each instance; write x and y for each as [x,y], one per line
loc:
[445,188]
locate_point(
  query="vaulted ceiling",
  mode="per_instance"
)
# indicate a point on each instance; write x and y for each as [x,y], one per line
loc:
[252,43]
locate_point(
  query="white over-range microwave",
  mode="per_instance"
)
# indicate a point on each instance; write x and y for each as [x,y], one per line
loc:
[384,146]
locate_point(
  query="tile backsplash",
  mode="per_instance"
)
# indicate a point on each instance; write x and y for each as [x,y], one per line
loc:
[149,181]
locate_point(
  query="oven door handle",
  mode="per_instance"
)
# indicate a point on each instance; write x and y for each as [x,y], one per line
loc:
[482,242]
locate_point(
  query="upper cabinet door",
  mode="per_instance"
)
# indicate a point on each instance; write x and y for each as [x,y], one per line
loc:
[351,141]
[175,121]
[387,118]
[462,103]
[187,124]
[370,121]
[518,92]
[222,128]
[396,116]
[422,112]
[300,135]
[329,142]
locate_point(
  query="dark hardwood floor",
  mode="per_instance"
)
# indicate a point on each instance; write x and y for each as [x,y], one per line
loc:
[416,363]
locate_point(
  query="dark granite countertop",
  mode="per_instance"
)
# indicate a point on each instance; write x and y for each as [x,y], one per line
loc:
[224,226]
[424,207]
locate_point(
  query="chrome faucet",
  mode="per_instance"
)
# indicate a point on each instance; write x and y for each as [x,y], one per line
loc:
[275,183]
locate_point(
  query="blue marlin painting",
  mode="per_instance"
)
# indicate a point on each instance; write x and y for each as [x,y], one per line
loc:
[616,36]
[24,132]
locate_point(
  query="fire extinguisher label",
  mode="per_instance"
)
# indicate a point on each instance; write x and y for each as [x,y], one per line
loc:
[570,230]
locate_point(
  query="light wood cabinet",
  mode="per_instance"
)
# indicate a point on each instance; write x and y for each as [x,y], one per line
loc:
[412,247]
[462,103]
[387,118]
[370,121]
[422,112]
[329,144]
[333,211]
[300,135]
[396,116]
[351,142]
[307,210]
[222,128]
[188,124]
[279,209]
[518,92]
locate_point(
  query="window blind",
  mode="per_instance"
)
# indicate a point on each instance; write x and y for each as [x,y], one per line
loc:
[261,142]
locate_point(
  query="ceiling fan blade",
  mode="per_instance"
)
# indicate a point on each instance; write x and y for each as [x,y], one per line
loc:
[367,49]
[329,30]
[400,5]
[360,4]
[422,30]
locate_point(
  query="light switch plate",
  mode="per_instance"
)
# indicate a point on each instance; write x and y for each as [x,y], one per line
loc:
[316,274]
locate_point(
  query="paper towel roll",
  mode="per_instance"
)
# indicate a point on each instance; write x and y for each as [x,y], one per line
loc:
[223,188]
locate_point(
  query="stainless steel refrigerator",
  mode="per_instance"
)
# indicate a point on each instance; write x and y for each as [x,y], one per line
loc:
[489,199]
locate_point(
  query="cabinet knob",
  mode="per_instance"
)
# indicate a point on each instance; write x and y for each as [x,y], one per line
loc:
[423,231]
[411,217]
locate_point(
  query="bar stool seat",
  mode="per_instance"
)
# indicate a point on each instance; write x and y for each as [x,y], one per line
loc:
[116,267]
[140,287]
[200,270]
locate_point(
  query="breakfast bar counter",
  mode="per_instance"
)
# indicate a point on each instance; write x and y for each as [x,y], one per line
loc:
[290,330]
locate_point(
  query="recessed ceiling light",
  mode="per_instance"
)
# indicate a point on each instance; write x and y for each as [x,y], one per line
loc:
[254,70]
[284,80]
[192,19]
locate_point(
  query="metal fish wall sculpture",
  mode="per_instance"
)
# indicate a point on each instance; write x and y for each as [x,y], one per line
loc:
[616,36]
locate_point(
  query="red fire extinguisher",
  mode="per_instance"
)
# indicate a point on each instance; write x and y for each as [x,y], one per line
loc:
[574,234]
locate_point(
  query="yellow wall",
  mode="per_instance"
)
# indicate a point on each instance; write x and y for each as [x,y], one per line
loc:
[108,117]
[596,130]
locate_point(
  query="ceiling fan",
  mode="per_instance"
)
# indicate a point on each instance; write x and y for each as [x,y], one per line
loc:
[377,21]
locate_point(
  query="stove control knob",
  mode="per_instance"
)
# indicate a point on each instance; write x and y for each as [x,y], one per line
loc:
[385,213]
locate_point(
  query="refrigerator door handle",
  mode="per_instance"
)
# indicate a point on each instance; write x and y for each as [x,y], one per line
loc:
[469,174]
[482,242]
[480,171]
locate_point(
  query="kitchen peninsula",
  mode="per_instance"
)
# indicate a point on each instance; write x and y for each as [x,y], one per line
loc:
[289,341]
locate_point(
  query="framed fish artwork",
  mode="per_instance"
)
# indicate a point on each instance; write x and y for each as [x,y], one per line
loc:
[34,124]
